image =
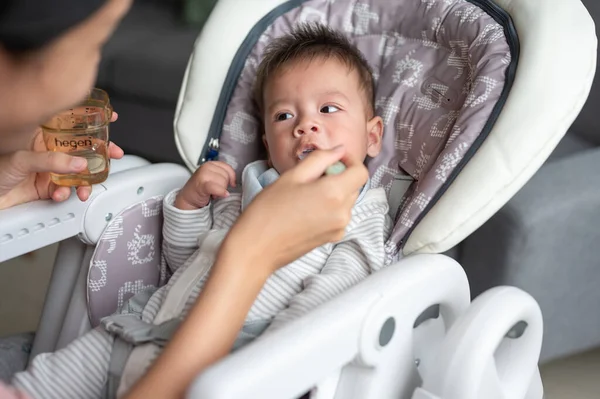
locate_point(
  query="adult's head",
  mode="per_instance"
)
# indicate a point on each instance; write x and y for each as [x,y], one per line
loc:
[49,55]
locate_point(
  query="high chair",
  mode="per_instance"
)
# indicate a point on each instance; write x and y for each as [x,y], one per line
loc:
[474,95]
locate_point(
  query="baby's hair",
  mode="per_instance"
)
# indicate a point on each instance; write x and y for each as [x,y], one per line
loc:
[305,43]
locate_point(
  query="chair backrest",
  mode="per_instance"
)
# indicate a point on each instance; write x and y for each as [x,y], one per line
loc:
[465,179]
[442,72]
[127,259]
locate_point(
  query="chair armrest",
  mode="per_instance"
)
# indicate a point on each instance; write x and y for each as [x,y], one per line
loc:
[28,227]
[479,358]
[127,162]
[348,333]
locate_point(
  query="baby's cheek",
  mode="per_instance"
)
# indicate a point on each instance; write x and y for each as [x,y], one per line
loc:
[282,162]
[359,148]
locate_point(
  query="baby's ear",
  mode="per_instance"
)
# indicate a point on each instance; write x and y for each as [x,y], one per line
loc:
[374,136]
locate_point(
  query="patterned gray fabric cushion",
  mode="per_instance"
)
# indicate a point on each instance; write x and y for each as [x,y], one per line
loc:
[127,259]
[440,69]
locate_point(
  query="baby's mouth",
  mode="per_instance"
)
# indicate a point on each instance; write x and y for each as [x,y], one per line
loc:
[307,150]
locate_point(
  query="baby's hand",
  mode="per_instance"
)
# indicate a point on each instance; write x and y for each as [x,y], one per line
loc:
[210,180]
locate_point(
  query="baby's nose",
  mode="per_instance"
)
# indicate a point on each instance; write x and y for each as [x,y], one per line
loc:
[305,128]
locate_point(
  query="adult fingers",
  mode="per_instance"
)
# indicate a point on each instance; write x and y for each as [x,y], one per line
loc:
[114,151]
[114,116]
[83,192]
[350,180]
[57,162]
[60,193]
[314,165]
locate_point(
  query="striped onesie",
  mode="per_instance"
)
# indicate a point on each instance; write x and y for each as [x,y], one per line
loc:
[192,238]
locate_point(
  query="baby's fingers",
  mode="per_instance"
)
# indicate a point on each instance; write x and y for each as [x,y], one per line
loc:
[216,189]
[227,170]
[217,173]
[230,173]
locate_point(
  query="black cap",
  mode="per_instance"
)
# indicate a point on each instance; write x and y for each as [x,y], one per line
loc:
[30,24]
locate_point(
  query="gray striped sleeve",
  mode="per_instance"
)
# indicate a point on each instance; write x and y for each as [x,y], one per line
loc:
[226,211]
[77,371]
[181,230]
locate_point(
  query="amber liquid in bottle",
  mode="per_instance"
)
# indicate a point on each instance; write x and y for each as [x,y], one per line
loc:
[83,133]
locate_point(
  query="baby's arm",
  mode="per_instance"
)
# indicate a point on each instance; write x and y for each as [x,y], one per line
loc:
[181,229]
[187,212]
[352,260]
[78,370]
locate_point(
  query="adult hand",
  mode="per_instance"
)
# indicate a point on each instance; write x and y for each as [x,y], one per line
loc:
[25,174]
[299,212]
[302,210]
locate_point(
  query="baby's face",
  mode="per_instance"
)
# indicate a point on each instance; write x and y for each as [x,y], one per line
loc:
[317,105]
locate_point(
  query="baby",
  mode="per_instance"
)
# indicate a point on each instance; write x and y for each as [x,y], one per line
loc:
[314,90]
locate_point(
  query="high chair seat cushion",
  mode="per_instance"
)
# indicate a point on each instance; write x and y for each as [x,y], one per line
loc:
[127,259]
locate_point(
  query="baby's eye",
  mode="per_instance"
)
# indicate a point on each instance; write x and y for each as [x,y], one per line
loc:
[329,109]
[283,116]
